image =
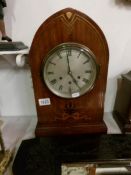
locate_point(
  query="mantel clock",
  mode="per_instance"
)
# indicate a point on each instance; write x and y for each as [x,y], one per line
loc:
[69,63]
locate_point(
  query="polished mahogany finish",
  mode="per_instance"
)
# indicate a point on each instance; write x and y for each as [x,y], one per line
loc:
[69,116]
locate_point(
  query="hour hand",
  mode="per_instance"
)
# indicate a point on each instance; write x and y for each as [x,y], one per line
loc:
[74,80]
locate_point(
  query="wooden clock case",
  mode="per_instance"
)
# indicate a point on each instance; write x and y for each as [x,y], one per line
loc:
[69,116]
[122,107]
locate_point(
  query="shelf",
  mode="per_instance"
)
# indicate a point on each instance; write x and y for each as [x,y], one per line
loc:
[25,51]
[19,55]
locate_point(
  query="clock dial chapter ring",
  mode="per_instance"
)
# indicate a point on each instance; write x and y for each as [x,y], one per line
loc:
[69,70]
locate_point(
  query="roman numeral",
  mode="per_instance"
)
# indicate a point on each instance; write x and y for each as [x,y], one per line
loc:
[53,81]
[70,90]
[85,80]
[88,71]
[52,63]
[79,54]
[59,55]
[60,87]
[50,73]
[69,52]
[87,61]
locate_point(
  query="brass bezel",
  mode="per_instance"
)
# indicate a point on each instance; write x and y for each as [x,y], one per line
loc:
[77,46]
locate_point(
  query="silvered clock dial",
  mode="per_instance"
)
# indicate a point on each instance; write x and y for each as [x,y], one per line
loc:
[70,70]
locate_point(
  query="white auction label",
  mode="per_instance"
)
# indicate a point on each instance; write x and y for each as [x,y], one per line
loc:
[44,101]
[77,94]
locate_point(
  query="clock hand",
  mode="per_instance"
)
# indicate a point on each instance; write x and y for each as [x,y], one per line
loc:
[70,73]
[69,70]
[74,80]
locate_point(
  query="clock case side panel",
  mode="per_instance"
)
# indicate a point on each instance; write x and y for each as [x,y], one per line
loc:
[69,25]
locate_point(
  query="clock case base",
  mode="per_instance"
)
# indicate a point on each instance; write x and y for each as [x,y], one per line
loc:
[90,129]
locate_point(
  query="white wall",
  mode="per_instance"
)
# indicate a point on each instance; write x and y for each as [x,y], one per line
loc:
[23,17]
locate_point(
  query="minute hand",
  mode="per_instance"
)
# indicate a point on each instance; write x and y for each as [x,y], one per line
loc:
[70,73]
[69,70]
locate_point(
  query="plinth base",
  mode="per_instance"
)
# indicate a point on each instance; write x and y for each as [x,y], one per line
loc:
[46,155]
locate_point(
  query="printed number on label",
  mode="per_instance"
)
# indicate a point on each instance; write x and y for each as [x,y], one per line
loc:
[44,101]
